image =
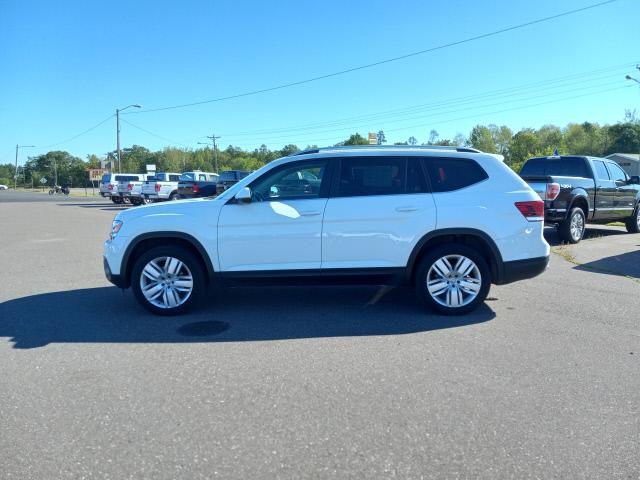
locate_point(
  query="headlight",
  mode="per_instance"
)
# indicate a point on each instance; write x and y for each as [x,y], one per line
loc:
[116,225]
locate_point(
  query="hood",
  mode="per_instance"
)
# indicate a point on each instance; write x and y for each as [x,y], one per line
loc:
[178,207]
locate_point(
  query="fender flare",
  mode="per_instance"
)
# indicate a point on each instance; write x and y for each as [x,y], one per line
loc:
[496,265]
[124,264]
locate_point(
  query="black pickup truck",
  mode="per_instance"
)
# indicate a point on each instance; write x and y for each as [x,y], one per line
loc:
[578,189]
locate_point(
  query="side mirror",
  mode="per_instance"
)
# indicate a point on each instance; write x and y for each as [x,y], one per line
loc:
[634,180]
[244,195]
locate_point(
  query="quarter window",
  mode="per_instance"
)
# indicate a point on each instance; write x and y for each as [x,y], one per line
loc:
[298,181]
[448,174]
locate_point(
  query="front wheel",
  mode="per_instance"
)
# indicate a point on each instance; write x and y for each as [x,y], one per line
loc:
[50,192]
[167,280]
[633,222]
[572,229]
[453,279]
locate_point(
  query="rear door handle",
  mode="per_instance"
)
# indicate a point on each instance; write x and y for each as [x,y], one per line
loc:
[310,214]
[406,209]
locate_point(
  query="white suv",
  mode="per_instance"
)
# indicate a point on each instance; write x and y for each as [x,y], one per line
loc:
[449,221]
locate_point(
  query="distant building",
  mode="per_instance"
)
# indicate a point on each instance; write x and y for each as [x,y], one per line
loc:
[630,162]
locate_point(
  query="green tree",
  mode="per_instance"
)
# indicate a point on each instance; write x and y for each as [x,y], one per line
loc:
[623,138]
[481,138]
[355,139]
[412,140]
[381,138]
[524,145]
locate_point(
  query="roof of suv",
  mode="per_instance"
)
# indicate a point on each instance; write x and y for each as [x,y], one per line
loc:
[386,148]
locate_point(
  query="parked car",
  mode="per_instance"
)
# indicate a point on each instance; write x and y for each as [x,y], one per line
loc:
[131,190]
[4,187]
[191,183]
[449,221]
[163,186]
[229,178]
[578,189]
[109,184]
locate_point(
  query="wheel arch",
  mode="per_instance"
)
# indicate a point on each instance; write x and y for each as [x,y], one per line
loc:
[476,239]
[580,200]
[146,241]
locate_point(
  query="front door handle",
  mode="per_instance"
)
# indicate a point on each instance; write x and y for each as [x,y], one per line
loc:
[406,209]
[310,214]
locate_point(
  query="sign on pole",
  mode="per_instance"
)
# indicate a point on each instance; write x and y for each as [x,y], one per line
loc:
[373,138]
[95,174]
[43,180]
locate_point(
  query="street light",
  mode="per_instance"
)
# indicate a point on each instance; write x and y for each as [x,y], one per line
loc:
[629,77]
[15,177]
[118,110]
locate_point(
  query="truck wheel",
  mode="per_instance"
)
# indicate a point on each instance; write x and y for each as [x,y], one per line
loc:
[572,229]
[173,196]
[167,280]
[633,222]
[453,279]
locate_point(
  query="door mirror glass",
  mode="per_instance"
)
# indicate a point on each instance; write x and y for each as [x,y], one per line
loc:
[634,180]
[244,195]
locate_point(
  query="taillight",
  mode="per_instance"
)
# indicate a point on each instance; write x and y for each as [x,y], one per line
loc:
[130,186]
[110,187]
[157,187]
[532,210]
[553,190]
[196,188]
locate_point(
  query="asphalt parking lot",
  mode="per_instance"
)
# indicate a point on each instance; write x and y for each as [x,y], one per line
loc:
[299,382]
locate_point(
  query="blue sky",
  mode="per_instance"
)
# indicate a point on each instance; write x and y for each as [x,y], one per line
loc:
[67,65]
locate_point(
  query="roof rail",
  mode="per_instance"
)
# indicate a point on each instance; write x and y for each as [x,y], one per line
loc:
[390,147]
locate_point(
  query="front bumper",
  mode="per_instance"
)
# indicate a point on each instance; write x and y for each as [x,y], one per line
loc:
[115,279]
[522,269]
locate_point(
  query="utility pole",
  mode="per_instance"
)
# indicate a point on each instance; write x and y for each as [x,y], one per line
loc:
[215,150]
[15,177]
[118,110]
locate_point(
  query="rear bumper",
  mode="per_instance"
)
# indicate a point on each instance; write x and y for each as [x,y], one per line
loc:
[555,215]
[523,269]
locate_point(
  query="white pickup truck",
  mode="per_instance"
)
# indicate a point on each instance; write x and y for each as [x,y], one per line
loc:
[131,190]
[163,186]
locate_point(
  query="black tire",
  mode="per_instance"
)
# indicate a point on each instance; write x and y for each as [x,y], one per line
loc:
[193,265]
[452,287]
[50,192]
[117,200]
[173,196]
[572,229]
[633,222]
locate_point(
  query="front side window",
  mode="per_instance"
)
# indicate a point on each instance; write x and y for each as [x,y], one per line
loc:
[601,170]
[449,174]
[360,176]
[616,172]
[298,181]
[187,177]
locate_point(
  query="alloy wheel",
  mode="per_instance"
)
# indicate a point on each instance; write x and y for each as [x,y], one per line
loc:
[166,282]
[454,281]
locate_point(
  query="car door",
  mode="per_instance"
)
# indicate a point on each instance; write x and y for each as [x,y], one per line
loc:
[377,209]
[605,192]
[280,229]
[625,194]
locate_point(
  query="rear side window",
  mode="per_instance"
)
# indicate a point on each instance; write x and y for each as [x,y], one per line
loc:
[174,178]
[601,170]
[560,167]
[360,176]
[448,174]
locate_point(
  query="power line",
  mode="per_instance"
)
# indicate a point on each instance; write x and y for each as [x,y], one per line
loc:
[480,114]
[79,134]
[382,62]
[154,134]
[405,119]
[382,116]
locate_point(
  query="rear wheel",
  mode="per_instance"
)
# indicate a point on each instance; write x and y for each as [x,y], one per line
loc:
[167,280]
[633,222]
[572,229]
[453,279]
[173,196]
